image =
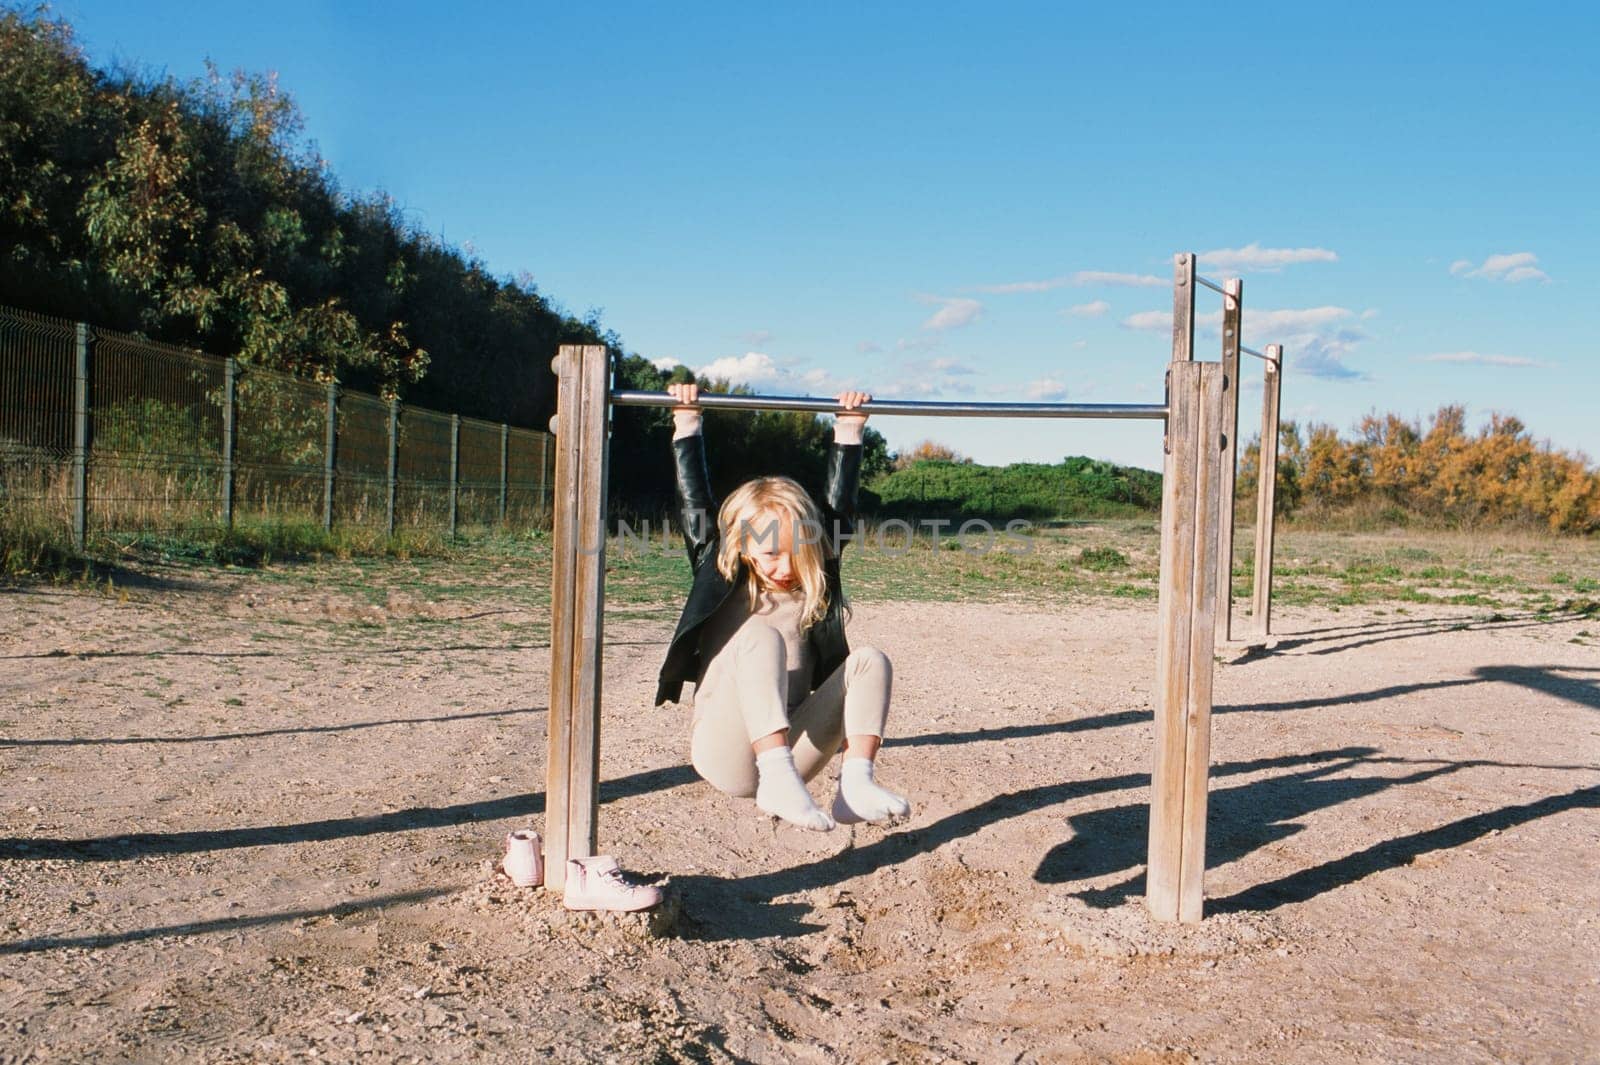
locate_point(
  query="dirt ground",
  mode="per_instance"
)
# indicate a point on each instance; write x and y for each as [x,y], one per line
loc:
[246,820]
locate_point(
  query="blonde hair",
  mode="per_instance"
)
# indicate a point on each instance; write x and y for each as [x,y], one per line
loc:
[762,508]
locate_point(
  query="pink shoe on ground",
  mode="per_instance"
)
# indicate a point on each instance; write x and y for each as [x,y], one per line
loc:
[597,884]
[524,862]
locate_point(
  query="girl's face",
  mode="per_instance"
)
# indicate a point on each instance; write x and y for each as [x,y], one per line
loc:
[769,551]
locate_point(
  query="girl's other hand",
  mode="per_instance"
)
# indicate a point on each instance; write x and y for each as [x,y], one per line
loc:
[687,394]
[848,423]
[686,415]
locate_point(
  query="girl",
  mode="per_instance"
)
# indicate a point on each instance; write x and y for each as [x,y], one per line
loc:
[777,689]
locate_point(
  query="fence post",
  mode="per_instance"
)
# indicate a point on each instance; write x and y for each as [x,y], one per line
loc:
[505,454]
[1267,490]
[1175,873]
[1232,324]
[455,471]
[577,614]
[394,459]
[330,450]
[230,390]
[81,382]
[544,470]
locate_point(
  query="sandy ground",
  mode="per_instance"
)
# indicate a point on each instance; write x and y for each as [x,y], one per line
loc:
[241,821]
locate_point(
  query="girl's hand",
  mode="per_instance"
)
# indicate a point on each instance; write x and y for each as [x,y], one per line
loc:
[687,394]
[848,423]
[686,415]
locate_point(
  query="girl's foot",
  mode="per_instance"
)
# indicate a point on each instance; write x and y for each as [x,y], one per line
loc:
[781,792]
[861,798]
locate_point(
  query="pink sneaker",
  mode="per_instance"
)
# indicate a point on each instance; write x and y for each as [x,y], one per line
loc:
[524,862]
[597,884]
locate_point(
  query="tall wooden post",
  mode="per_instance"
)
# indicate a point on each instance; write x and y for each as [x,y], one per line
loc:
[230,403]
[455,471]
[1190,498]
[577,609]
[1232,323]
[1267,490]
[330,451]
[82,383]
[1183,306]
[394,460]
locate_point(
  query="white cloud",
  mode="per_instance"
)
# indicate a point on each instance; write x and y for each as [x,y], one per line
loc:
[867,347]
[1265,325]
[1268,324]
[1046,390]
[1316,340]
[953,313]
[930,378]
[765,374]
[1026,286]
[752,368]
[1474,358]
[943,366]
[1092,309]
[1510,267]
[1323,356]
[1103,277]
[1369,314]
[668,363]
[1082,277]
[1265,260]
[1149,321]
[756,338]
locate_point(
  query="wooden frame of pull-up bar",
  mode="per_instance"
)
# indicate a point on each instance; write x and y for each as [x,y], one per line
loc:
[1197,447]
[1232,293]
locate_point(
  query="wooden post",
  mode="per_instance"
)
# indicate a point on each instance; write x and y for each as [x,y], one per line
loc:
[455,471]
[1232,322]
[505,464]
[230,401]
[394,459]
[1267,490]
[1183,306]
[81,383]
[1174,884]
[577,609]
[330,449]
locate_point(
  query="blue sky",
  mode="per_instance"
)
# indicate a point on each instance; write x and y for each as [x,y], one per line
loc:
[958,201]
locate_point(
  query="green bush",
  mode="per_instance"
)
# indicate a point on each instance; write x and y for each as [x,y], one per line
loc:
[1102,558]
[1074,488]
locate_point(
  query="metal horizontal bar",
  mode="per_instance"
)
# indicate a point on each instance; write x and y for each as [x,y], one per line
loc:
[1257,354]
[1212,285]
[818,405]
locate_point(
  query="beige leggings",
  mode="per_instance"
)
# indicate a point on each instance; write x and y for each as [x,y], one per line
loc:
[750,703]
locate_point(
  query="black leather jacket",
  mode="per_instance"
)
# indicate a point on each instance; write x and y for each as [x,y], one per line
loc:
[697,517]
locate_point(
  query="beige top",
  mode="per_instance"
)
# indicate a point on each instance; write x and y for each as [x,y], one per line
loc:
[777,610]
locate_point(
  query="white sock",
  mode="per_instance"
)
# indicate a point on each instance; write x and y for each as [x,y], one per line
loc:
[861,798]
[782,793]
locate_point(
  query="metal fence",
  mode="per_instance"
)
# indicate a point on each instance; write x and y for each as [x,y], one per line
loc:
[101,432]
